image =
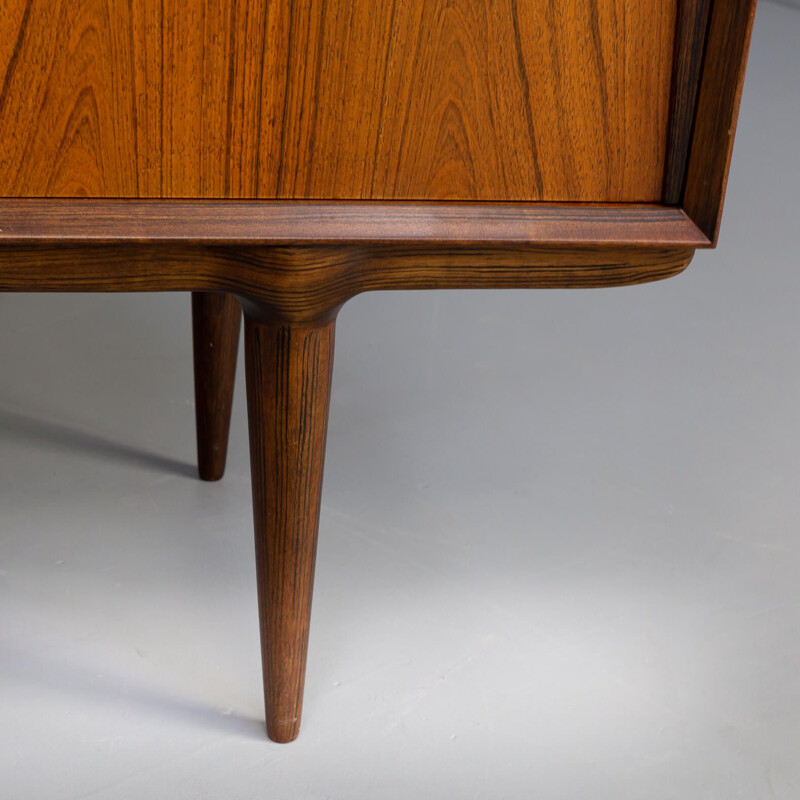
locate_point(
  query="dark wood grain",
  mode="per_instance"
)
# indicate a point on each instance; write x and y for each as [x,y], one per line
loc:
[689,47]
[289,372]
[717,112]
[336,99]
[216,320]
[272,222]
[305,283]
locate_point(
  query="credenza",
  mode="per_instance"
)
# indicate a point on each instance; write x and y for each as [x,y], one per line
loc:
[278,157]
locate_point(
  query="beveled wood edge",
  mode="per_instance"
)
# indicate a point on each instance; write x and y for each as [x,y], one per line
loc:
[279,223]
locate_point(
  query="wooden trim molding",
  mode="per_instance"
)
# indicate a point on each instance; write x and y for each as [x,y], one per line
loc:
[301,261]
[266,222]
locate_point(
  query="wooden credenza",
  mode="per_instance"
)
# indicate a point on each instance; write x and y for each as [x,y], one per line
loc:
[281,156]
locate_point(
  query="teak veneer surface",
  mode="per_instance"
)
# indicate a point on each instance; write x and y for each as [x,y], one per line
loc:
[336,99]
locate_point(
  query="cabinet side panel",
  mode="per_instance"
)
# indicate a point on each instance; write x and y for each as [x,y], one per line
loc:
[721,87]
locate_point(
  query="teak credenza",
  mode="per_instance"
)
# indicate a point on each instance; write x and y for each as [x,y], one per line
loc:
[281,156]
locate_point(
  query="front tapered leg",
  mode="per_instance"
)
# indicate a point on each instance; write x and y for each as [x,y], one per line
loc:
[289,370]
[216,320]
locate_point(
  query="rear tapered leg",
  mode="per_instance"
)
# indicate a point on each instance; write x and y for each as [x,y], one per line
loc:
[216,320]
[288,391]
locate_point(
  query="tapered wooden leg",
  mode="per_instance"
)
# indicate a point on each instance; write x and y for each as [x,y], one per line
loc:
[288,390]
[216,321]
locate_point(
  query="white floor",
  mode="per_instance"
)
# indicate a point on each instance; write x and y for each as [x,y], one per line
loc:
[559,551]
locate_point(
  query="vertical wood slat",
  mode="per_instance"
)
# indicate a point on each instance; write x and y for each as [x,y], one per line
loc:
[690,42]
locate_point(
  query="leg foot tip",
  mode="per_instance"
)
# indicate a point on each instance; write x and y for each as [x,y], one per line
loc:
[210,476]
[283,735]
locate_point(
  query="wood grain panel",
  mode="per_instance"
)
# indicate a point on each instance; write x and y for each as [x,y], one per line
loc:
[358,99]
